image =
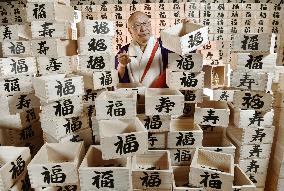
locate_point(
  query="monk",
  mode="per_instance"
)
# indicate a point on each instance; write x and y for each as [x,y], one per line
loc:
[144,60]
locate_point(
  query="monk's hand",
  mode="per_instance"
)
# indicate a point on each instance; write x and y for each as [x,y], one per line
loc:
[123,58]
[187,20]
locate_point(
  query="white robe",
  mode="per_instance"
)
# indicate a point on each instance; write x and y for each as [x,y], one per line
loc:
[137,65]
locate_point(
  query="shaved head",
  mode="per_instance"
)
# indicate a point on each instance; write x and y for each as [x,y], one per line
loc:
[139,26]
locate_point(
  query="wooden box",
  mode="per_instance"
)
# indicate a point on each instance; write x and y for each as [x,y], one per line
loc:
[254,61]
[214,76]
[58,188]
[51,88]
[17,66]
[184,133]
[181,157]
[14,32]
[254,166]
[223,95]
[54,47]
[17,48]
[134,87]
[184,37]
[242,181]
[96,27]
[96,62]
[180,181]
[212,113]
[15,137]
[281,85]
[61,30]
[115,105]
[253,100]
[19,120]
[152,165]
[49,11]
[163,101]
[14,161]
[190,62]
[155,123]
[34,145]
[279,99]
[210,165]
[22,183]
[18,103]
[84,135]
[124,137]
[258,42]
[249,80]
[95,44]
[66,107]
[56,65]
[61,126]
[218,142]
[183,80]
[94,170]
[104,79]
[157,140]
[193,96]
[61,159]
[16,85]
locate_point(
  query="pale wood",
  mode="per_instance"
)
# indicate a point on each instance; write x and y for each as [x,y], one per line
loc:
[87,28]
[210,71]
[54,12]
[279,99]
[111,130]
[242,181]
[97,76]
[7,52]
[93,161]
[182,127]
[156,161]
[134,87]
[9,155]
[263,165]
[176,160]
[45,86]
[174,80]
[177,62]
[164,122]
[176,37]
[220,109]
[219,93]
[223,163]
[21,182]
[125,100]
[83,47]
[75,187]
[34,144]
[160,140]
[64,65]
[84,135]
[23,82]
[7,68]
[67,155]
[197,94]
[153,97]
[18,32]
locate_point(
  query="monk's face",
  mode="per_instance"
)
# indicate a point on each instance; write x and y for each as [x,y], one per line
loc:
[140,28]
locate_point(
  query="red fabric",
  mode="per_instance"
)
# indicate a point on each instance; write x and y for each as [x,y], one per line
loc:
[160,82]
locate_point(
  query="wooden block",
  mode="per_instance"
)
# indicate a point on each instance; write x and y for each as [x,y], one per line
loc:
[104,79]
[65,87]
[253,42]
[90,28]
[253,100]
[63,158]
[61,127]
[113,105]
[212,113]
[223,95]
[16,85]
[15,65]
[257,62]
[254,166]
[17,48]
[96,62]
[127,138]
[193,96]
[214,76]
[97,44]
[155,164]
[13,32]
[180,181]
[94,169]
[184,133]
[46,30]
[54,47]
[258,179]
[22,183]
[157,140]
[56,188]
[181,157]
[249,80]
[279,99]
[14,161]
[63,2]
[138,88]
[242,181]
[190,62]
[184,38]
[281,78]
[163,102]
[49,11]
[55,65]
[34,145]
[206,164]
[155,123]
[84,135]
[218,142]
[183,80]
[17,137]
